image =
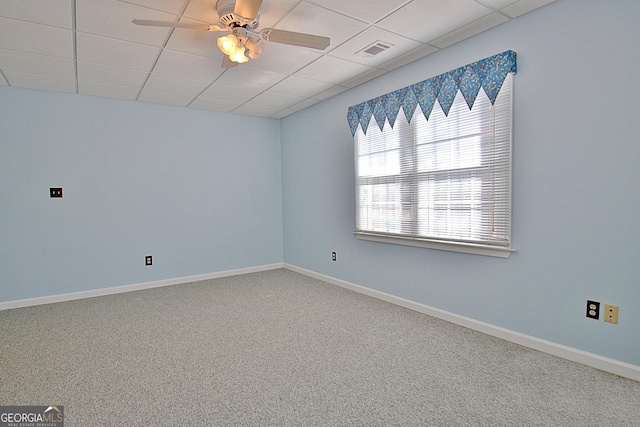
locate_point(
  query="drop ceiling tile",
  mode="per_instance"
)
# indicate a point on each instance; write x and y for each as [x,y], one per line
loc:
[56,13]
[214,104]
[202,10]
[284,59]
[172,84]
[107,90]
[36,38]
[332,70]
[256,110]
[469,30]
[249,77]
[166,98]
[273,99]
[370,11]
[293,85]
[351,50]
[499,4]
[187,66]
[443,17]
[271,12]
[328,93]
[96,73]
[112,18]
[33,81]
[230,93]
[312,19]
[42,65]
[364,77]
[294,108]
[408,57]
[169,6]
[116,53]
[524,6]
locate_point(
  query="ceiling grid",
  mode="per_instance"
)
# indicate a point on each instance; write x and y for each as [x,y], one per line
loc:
[91,47]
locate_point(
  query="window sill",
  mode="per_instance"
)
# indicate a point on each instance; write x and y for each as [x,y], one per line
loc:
[467,248]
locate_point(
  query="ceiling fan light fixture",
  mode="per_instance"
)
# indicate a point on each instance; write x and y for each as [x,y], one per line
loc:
[239,56]
[254,48]
[228,44]
[240,17]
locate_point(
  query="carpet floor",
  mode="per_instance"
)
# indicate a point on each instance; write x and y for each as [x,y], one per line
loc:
[278,348]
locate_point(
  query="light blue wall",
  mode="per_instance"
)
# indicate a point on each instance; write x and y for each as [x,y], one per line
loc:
[576,215]
[182,185]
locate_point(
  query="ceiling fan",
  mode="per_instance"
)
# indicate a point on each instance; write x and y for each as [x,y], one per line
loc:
[240,18]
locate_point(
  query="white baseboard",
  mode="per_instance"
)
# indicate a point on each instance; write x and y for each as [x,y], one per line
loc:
[135,287]
[613,366]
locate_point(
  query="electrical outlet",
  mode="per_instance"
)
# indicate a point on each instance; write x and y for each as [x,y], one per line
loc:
[55,192]
[148,260]
[611,313]
[334,256]
[593,309]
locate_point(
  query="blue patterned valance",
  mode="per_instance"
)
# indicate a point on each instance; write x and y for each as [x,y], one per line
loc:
[488,73]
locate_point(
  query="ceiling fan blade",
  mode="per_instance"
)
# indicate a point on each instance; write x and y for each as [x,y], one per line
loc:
[206,27]
[228,63]
[247,8]
[296,39]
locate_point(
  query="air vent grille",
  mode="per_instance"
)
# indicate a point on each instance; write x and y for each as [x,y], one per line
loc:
[374,49]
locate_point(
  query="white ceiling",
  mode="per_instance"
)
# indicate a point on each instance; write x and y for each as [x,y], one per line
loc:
[91,47]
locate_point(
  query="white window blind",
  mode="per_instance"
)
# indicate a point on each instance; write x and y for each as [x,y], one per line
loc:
[445,179]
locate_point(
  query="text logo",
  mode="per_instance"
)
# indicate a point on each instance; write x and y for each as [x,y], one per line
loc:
[32,416]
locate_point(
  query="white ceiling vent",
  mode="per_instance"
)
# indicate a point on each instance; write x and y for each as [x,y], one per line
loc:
[374,49]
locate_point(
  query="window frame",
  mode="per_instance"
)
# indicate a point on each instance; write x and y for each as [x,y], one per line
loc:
[447,244]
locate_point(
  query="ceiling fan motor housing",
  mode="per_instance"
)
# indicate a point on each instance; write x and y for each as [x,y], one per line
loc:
[229,19]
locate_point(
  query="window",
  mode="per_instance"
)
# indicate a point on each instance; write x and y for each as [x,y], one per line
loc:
[442,182]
